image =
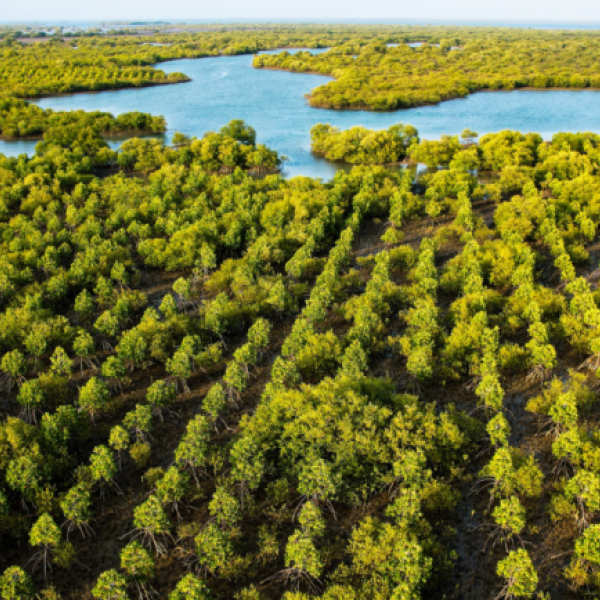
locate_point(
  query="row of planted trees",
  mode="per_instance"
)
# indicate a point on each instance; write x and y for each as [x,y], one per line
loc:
[213,544]
[266,259]
[38,454]
[103,313]
[510,475]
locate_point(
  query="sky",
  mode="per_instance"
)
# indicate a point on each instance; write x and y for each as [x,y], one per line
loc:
[519,11]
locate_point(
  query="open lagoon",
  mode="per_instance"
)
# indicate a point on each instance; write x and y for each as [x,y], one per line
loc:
[273,102]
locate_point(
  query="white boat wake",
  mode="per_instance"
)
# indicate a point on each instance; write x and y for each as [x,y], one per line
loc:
[219,77]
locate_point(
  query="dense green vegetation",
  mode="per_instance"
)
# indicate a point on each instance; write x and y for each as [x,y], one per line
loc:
[199,371]
[20,119]
[43,69]
[453,62]
[363,146]
[374,76]
[216,385]
[61,66]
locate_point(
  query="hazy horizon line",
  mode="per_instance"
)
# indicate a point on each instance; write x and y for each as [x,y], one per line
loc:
[423,21]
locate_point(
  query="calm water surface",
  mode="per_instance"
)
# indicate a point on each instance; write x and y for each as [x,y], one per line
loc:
[273,102]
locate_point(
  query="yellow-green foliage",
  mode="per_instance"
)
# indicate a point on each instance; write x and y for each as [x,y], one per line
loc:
[372,75]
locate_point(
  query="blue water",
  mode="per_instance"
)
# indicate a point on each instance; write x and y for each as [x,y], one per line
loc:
[273,102]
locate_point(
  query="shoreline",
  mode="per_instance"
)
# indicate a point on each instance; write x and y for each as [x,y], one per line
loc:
[115,89]
[294,72]
[159,83]
[105,135]
[309,97]
[400,163]
[103,172]
[420,104]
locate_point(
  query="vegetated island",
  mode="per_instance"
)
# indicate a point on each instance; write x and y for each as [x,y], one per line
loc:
[87,64]
[375,76]
[21,120]
[360,146]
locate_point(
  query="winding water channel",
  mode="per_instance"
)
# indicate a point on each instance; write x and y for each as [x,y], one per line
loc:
[273,102]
